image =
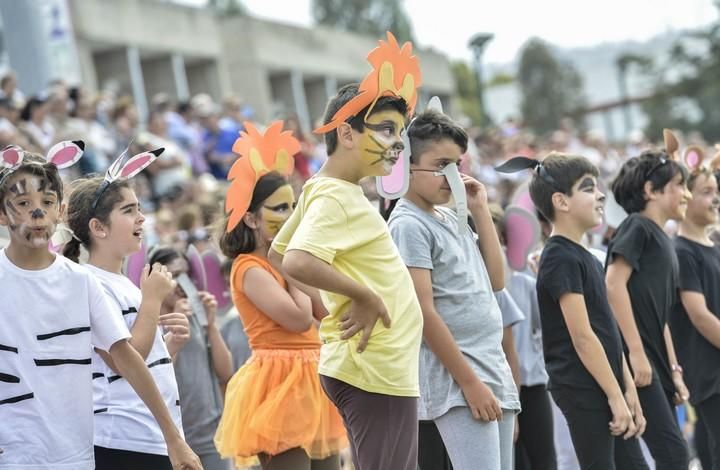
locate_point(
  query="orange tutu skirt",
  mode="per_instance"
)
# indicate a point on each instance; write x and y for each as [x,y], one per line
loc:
[275,403]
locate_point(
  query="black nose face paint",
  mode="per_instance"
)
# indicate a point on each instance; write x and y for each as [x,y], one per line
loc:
[37,214]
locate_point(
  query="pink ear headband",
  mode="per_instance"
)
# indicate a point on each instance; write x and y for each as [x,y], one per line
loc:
[63,155]
[122,168]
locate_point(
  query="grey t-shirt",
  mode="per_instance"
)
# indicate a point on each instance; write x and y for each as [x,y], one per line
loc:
[527,333]
[200,398]
[463,297]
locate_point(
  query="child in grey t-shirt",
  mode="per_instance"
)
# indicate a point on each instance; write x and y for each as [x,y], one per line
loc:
[466,385]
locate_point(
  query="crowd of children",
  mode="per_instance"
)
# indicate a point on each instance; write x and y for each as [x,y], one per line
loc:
[411,335]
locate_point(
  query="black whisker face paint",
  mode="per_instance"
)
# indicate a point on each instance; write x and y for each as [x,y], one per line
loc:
[384,148]
[374,152]
[11,207]
[587,183]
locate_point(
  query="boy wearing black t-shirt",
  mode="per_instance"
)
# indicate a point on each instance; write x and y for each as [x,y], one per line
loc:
[589,378]
[696,318]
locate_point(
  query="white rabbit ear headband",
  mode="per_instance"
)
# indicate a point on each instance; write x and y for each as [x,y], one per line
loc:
[63,155]
[124,167]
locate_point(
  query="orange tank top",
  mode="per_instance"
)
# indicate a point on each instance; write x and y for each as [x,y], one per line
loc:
[262,331]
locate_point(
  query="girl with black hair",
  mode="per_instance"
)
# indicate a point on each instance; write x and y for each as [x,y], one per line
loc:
[642,283]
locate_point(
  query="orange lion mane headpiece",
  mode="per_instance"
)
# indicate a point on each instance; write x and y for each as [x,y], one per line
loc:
[259,154]
[396,72]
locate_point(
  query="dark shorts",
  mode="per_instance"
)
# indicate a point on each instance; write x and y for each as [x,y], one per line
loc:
[383,429]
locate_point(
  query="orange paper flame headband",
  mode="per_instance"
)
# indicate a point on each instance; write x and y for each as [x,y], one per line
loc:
[396,72]
[259,155]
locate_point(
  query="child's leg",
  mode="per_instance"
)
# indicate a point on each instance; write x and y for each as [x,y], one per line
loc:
[710,411]
[330,463]
[590,434]
[474,444]
[536,428]
[432,454]
[383,429]
[293,459]
[114,459]
[662,435]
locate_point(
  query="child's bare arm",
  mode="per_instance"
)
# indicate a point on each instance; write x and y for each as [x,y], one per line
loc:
[366,306]
[437,335]
[319,310]
[131,366]
[616,279]
[592,355]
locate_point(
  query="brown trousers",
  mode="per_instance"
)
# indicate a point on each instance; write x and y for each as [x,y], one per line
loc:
[383,429]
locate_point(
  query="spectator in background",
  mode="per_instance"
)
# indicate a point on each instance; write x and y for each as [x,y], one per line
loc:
[125,121]
[171,172]
[99,144]
[8,89]
[35,124]
[218,141]
[188,134]
[9,117]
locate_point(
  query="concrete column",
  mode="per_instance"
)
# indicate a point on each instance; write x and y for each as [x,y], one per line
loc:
[300,100]
[181,82]
[136,81]
[26,44]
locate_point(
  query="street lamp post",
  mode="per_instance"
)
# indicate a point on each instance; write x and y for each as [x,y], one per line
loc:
[477,45]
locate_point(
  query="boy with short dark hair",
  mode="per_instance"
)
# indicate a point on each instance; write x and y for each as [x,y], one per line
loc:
[589,377]
[337,242]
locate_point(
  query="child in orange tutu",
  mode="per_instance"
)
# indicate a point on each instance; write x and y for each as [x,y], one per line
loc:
[275,409]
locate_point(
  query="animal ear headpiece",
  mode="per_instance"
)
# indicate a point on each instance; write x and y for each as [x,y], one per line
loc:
[124,167]
[62,155]
[260,154]
[692,156]
[520,163]
[396,72]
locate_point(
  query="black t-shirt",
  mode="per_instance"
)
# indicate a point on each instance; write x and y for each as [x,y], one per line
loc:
[652,286]
[567,267]
[699,272]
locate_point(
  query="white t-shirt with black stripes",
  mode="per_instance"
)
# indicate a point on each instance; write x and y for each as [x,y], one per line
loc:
[122,421]
[49,321]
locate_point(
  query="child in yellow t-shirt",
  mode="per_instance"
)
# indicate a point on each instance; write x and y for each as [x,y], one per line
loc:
[337,246]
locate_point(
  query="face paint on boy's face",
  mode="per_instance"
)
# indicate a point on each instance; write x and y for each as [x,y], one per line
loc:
[277,209]
[32,210]
[381,141]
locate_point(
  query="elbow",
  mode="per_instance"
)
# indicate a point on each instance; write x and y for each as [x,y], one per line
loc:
[300,325]
[497,283]
[292,265]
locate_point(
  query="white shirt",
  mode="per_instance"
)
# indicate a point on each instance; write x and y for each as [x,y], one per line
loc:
[50,319]
[122,421]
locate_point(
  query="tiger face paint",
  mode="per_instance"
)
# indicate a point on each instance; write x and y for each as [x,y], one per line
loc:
[381,142]
[30,210]
[275,210]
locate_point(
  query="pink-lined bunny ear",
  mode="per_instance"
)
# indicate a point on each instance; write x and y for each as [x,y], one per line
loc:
[197,268]
[11,156]
[139,162]
[522,234]
[694,156]
[65,154]
[135,263]
[216,284]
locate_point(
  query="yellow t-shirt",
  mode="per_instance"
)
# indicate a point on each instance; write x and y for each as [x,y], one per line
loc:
[336,223]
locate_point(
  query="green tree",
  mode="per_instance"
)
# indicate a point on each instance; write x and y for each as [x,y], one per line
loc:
[466,84]
[551,89]
[372,17]
[686,92]
[227,7]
